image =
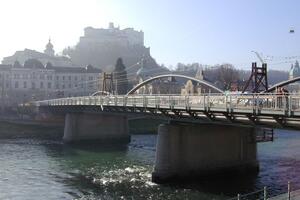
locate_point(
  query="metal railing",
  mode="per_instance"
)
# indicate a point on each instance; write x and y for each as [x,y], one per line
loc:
[243,102]
[263,195]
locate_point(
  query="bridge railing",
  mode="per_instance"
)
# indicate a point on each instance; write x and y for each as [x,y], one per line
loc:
[245,102]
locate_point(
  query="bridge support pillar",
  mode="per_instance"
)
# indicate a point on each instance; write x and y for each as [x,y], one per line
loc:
[96,127]
[189,151]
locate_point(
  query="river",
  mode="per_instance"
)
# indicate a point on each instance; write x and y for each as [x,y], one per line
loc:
[42,168]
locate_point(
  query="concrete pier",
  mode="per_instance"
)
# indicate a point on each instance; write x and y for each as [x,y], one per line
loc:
[96,127]
[189,151]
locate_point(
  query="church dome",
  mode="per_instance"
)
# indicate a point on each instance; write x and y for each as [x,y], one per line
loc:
[49,45]
[49,49]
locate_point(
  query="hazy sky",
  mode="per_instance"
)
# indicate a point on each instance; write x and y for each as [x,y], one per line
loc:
[209,32]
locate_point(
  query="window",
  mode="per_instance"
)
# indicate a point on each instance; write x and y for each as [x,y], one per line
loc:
[42,85]
[32,85]
[49,85]
[63,86]
[70,78]
[70,86]
[25,84]
[75,78]
[57,86]
[63,77]
[90,78]
[49,77]
[57,78]
[17,84]
[42,76]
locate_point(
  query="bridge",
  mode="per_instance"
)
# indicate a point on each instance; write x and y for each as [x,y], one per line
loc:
[206,134]
[266,109]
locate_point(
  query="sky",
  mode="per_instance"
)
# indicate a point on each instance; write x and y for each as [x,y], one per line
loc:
[209,32]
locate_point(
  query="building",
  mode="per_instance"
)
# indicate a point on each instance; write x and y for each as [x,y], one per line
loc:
[101,47]
[192,87]
[35,81]
[113,35]
[44,58]
[293,73]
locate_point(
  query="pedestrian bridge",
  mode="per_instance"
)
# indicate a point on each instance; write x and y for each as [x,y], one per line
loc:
[266,109]
[222,128]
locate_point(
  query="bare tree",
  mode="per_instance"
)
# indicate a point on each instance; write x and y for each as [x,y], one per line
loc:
[227,75]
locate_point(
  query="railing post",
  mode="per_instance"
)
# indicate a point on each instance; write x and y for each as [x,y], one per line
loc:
[289,105]
[226,102]
[144,101]
[230,103]
[289,190]
[124,100]
[187,102]
[253,103]
[238,197]
[203,101]
[208,104]
[257,104]
[276,99]
[265,193]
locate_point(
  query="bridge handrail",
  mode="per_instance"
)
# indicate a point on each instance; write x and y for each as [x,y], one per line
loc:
[226,102]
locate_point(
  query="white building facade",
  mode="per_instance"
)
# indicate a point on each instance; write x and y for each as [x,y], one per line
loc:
[35,81]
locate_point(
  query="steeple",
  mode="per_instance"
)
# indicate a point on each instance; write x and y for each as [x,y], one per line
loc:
[49,49]
[199,73]
[294,71]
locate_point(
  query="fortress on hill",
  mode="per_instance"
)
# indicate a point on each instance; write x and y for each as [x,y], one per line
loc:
[101,47]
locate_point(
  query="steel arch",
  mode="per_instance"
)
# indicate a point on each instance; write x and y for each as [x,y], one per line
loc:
[173,75]
[100,92]
[283,83]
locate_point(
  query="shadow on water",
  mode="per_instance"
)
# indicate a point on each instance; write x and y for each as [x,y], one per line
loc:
[97,148]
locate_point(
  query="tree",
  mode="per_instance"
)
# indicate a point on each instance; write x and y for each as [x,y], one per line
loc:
[227,75]
[222,75]
[120,77]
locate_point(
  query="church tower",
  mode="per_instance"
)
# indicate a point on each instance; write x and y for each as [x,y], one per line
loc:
[49,49]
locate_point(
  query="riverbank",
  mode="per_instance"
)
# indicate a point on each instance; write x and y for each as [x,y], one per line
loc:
[15,128]
[11,128]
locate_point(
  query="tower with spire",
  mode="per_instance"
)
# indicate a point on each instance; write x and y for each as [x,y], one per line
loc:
[294,71]
[49,49]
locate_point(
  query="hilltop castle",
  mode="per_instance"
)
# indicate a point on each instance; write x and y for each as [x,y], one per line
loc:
[102,47]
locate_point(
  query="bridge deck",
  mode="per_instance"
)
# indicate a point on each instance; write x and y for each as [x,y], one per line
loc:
[253,108]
